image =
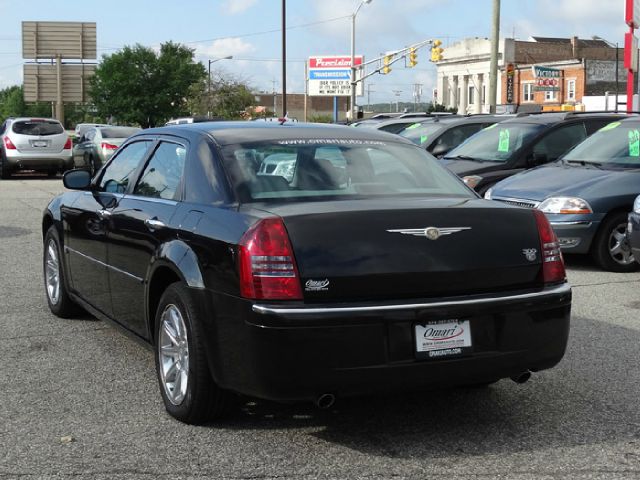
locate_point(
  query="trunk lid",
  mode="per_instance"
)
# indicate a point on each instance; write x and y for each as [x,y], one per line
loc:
[373,249]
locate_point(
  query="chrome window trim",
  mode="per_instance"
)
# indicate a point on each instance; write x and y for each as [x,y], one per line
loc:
[99,262]
[576,223]
[153,199]
[563,289]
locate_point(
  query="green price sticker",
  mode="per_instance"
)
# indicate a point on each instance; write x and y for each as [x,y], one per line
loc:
[634,143]
[412,126]
[503,143]
[423,139]
[611,126]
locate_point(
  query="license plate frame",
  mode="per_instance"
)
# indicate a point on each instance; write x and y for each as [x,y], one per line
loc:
[445,338]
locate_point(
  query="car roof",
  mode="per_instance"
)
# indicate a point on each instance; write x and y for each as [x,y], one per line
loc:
[227,133]
[480,118]
[552,118]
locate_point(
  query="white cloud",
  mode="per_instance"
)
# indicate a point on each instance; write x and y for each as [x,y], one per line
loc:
[234,7]
[225,47]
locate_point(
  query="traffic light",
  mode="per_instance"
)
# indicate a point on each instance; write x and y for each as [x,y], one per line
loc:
[436,51]
[413,57]
[387,64]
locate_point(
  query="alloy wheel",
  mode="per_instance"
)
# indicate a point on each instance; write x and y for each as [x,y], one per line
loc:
[619,247]
[173,353]
[52,272]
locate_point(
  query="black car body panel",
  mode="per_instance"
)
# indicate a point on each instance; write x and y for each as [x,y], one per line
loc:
[122,247]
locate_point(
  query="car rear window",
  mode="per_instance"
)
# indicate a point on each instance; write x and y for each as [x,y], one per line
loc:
[335,168]
[118,132]
[37,127]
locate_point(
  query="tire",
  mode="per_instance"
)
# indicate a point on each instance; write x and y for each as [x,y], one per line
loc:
[58,298]
[611,249]
[179,334]
[5,173]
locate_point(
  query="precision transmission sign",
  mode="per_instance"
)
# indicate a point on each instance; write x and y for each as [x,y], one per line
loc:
[330,76]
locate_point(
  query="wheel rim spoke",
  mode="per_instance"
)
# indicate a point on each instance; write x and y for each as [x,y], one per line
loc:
[173,353]
[619,247]
[52,273]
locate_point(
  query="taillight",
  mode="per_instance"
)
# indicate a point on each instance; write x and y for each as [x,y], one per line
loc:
[68,145]
[108,146]
[267,267]
[552,262]
[8,144]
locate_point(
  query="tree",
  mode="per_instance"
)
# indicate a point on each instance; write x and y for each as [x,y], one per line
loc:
[12,104]
[139,86]
[229,97]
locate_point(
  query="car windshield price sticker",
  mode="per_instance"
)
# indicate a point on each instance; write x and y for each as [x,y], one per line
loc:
[503,142]
[423,138]
[443,338]
[634,143]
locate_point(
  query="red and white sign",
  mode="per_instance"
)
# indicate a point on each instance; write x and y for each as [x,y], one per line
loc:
[330,76]
[632,13]
[630,52]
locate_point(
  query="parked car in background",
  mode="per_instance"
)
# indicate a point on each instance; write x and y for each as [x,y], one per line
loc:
[372,268]
[633,230]
[407,118]
[520,143]
[83,127]
[440,135]
[587,195]
[97,145]
[39,144]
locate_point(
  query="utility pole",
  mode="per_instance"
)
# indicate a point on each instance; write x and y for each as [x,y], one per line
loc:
[417,95]
[284,58]
[369,91]
[493,71]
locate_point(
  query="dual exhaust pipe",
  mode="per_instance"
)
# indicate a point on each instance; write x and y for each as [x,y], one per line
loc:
[327,400]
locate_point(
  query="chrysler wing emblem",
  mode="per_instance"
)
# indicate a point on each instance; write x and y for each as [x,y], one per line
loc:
[432,233]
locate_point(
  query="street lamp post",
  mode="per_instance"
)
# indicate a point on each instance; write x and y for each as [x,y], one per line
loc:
[228,57]
[352,104]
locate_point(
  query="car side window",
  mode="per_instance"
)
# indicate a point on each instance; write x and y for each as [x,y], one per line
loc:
[120,171]
[593,125]
[560,141]
[90,135]
[162,175]
[456,135]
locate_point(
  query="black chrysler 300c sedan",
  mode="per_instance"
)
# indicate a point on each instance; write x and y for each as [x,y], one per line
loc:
[361,266]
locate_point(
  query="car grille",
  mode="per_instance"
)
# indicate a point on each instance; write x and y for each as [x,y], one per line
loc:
[517,202]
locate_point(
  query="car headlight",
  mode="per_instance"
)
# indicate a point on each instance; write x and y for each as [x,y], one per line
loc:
[568,205]
[488,193]
[636,205]
[472,181]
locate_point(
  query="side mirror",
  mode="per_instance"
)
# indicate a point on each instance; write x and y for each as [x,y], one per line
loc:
[440,149]
[76,179]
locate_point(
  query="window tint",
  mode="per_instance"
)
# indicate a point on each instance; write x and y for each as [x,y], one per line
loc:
[119,172]
[349,168]
[38,127]
[162,175]
[560,141]
[122,132]
[593,125]
[455,136]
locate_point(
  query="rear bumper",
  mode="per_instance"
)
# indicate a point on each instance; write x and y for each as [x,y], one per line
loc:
[21,160]
[287,353]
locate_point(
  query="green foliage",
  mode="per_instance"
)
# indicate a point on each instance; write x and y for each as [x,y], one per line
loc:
[12,104]
[321,118]
[229,98]
[441,108]
[139,86]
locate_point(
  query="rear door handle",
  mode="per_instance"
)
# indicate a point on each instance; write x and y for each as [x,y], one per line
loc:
[154,224]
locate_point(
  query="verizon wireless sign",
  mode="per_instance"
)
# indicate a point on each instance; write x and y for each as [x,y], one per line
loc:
[330,76]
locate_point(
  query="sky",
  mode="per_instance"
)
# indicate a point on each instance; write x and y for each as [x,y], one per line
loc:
[250,31]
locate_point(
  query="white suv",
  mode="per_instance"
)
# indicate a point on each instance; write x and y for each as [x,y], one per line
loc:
[34,144]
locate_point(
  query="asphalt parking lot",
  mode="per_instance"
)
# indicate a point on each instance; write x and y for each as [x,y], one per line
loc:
[82,380]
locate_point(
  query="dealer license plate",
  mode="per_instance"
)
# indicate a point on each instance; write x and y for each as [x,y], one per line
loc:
[443,338]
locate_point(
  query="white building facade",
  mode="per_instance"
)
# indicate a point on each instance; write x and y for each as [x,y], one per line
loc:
[463,74]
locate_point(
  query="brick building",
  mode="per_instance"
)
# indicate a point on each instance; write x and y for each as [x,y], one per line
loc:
[296,105]
[585,68]
[588,68]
